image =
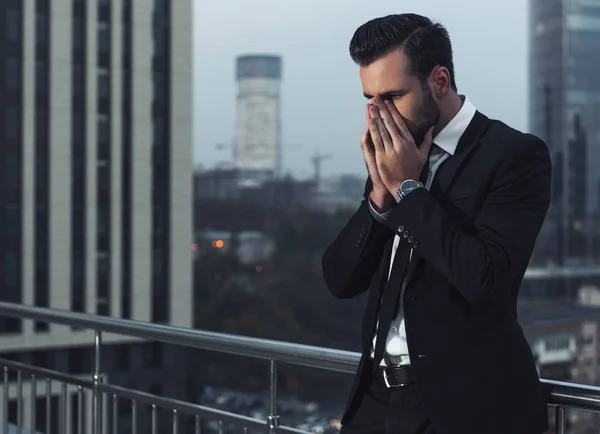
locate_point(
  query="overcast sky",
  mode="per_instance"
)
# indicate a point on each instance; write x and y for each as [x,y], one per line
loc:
[322,102]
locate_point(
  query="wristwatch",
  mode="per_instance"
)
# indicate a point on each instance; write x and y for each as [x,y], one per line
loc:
[406,187]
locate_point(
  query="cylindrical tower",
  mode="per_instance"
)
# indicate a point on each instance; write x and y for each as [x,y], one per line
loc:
[257,151]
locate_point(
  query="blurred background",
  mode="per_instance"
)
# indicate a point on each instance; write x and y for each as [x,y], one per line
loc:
[186,162]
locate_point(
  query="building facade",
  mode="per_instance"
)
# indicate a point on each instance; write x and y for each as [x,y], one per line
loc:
[257,151]
[96,184]
[565,112]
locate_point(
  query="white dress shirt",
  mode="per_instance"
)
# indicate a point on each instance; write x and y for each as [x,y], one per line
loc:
[445,143]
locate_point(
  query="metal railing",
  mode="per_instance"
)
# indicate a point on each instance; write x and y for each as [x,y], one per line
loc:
[561,395]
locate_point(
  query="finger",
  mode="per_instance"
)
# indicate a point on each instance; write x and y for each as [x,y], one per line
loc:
[427,142]
[368,111]
[367,148]
[389,124]
[383,131]
[376,136]
[365,140]
[400,124]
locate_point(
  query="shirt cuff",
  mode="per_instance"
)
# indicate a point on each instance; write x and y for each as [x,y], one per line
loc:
[377,216]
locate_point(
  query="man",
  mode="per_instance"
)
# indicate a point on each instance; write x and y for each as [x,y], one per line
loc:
[453,205]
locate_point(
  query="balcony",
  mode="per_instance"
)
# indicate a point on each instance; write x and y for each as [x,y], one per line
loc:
[72,417]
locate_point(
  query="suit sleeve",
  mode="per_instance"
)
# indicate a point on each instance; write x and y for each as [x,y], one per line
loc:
[352,259]
[481,260]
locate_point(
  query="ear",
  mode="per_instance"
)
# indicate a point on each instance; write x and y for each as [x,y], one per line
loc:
[440,81]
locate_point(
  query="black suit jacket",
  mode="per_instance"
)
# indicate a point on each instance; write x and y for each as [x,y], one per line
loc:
[474,233]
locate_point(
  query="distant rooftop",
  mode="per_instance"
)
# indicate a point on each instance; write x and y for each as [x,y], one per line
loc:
[536,311]
[258,66]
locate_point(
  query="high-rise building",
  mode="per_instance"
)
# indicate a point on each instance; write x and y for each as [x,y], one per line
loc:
[96,179]
[257,151]
[565,112]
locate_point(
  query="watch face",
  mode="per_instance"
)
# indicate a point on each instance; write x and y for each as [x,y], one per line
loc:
[409,185]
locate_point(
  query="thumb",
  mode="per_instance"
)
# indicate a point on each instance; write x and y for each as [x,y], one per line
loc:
[426,143]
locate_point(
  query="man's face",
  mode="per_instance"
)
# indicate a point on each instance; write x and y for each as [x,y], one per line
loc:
[389,78]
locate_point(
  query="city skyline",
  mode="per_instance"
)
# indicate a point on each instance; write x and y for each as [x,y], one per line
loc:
[322,102]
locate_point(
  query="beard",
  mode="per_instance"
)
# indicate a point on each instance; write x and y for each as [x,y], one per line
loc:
[428,116]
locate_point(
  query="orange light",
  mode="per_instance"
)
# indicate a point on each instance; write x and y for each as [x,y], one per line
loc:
[194,247]
[259,268]
[218,244]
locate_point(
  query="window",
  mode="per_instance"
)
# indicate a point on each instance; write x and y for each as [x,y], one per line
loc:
[103,129]
[42,132]
[76,412]
[78,82]
[12,124]
[12,24]
[153,354]
[13,72]
[77,361]
[41,359]
[41,77]
[122,358]
[158,128]
[11,270]
[11,172]
[557,344]
[103,83]
[103,36]
[78,32]
[103,185]
[78,127]
[124,408]
[41,29]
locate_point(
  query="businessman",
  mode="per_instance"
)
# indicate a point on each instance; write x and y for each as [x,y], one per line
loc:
[452,208]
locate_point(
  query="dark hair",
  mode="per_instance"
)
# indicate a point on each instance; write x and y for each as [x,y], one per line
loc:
[425,43]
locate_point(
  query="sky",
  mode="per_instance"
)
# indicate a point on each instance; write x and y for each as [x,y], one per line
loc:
[321,95]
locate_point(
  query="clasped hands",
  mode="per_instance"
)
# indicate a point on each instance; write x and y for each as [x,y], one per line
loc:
[390,152]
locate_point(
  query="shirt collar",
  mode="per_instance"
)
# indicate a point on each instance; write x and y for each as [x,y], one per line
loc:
[448,138]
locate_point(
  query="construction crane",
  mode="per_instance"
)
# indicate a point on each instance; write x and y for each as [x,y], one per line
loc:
[316,160]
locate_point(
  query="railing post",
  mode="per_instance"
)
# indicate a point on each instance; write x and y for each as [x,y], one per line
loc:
[561,420]
[97,396]
[5,402]
[273,418]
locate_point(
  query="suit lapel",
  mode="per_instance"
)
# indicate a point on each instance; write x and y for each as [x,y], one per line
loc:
[447,172]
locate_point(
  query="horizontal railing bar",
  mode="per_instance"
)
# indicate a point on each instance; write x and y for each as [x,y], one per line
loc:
[539,273]
[573,395]
[282,428]
[140,397]
[47,373]
[316,357]
[559,393]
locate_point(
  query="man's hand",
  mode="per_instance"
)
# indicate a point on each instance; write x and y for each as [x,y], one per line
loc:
[380,196]
[396,155]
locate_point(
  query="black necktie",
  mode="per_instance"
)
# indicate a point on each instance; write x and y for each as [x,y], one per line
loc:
[425,171]
[389,302]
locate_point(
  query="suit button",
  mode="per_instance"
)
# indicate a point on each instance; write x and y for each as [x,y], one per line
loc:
[405,234]
[400,229]
[416,244]
[411,239]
